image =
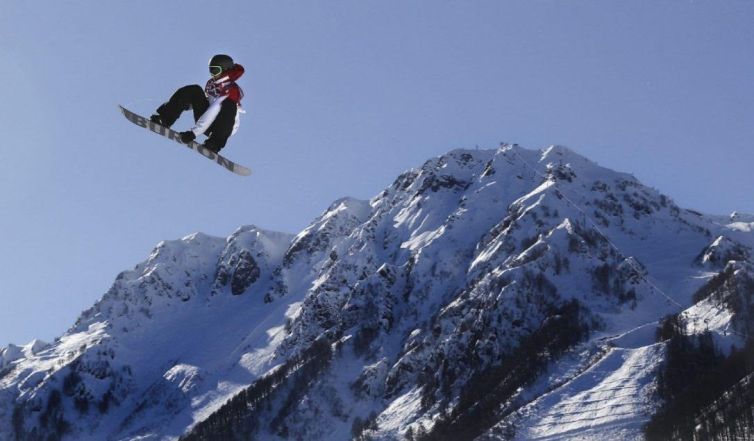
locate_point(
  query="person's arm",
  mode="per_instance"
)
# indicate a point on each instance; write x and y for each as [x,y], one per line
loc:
[208,117]
[231,74]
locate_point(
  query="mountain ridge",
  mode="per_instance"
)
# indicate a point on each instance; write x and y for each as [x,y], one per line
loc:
[455,271]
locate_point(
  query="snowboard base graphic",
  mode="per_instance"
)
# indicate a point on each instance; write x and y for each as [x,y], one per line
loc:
[193,145]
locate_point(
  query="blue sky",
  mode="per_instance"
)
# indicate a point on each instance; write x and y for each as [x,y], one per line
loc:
[341,97]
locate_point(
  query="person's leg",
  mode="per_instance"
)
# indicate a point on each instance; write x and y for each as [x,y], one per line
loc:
[222,127]
[187,97]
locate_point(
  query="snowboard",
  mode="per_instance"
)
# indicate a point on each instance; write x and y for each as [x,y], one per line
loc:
[193,145]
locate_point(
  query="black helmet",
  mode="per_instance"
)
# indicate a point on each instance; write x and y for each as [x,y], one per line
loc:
[219,64]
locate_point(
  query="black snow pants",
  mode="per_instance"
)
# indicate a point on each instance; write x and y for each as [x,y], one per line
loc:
[192,97]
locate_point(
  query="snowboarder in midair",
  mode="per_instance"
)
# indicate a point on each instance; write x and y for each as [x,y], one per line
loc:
[216,107]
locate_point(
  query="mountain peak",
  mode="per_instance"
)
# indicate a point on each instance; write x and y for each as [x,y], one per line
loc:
[515,282]
[562,153]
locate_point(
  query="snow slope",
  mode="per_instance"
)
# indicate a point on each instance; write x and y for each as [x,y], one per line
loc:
[455,271]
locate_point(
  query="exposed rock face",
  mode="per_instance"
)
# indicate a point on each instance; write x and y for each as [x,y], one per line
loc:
[490,294]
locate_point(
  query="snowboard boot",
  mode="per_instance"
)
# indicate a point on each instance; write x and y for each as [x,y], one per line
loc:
[212,145]
[166,115]
[157,119]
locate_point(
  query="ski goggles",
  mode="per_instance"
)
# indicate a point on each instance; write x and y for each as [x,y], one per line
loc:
[215,70]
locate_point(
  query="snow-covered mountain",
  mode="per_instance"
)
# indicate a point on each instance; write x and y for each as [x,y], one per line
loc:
[488,294]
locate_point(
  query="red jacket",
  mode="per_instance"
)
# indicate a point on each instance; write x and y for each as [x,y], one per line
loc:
[225,85]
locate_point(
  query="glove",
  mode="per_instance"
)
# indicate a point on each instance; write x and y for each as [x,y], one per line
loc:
[187,137]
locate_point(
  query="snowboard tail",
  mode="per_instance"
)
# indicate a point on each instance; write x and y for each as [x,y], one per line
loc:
[193,145]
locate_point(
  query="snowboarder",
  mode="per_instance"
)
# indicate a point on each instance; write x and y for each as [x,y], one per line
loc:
[216,107]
